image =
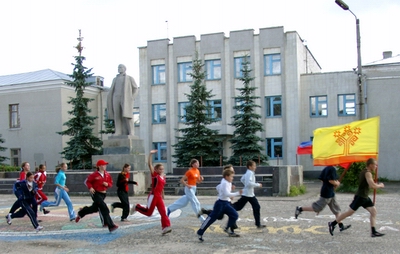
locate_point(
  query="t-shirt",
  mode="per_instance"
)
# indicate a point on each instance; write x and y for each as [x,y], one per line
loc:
[193,175]
[327,189]
[157,184]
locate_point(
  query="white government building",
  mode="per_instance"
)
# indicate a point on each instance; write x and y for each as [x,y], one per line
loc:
[295,98]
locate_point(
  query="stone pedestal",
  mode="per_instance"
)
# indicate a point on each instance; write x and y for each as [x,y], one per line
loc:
[118,150]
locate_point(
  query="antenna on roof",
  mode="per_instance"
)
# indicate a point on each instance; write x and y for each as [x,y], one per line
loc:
[167,28]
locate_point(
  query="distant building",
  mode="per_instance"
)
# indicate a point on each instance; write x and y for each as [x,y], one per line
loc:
[33,107]
[295,97]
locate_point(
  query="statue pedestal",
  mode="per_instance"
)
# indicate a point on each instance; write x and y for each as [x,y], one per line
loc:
[118,150]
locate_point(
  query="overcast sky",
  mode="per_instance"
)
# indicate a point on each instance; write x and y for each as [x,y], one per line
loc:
[40,34]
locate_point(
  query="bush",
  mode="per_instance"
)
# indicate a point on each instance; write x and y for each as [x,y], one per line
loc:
[8,168]
[351,180]
[295,191]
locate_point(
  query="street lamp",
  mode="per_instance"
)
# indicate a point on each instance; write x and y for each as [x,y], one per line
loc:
[345,7]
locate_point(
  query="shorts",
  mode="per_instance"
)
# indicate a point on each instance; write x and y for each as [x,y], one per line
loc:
[319,205]
[360,201]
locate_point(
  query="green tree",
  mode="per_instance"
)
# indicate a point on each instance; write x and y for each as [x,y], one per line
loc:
[83,144]
[197,141]
[109,125]
[246,139]
[2,149]
[350,180]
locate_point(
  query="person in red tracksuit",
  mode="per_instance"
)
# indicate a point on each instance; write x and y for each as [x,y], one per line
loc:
[98,182]
[40,179]
[156,196]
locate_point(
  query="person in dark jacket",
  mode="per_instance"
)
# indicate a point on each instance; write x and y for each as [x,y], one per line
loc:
[25,191]
[123,189]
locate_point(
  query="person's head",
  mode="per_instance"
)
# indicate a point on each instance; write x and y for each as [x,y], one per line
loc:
[159,168]
[42,168]
[126,168]
[228,173]
[25,166]
[63,166]
[372,164]
[101,165]
[29,177]
[194,163]
[121,69]
[251,165]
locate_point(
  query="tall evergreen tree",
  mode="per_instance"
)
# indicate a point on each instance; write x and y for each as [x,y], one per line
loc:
[2,149]
[83,144]
[198,141]
[246,139]
[109,125]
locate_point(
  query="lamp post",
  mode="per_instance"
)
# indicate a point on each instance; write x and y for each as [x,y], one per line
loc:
[345,7]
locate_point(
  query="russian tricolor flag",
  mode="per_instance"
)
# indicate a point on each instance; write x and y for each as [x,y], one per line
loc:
[305,148]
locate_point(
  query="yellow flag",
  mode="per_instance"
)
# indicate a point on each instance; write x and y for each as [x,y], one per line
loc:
[356,141]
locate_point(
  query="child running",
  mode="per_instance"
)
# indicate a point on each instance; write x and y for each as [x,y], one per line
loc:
[122,191]
[156,195]
[40,178]
[223,204]
[189,180]
[98,182]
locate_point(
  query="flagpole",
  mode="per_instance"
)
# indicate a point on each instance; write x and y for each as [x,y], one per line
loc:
[376,181]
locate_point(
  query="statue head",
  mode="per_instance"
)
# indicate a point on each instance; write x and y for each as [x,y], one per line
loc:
[121,69]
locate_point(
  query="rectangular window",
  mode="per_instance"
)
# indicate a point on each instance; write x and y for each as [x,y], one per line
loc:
[213,69]
[136,116]
[346,104]
[15,157]
[272,64]
[182,111]
[318,106]
[14,115]
[238,62]
[158,74]
[273,105]
[216,109]
[159,113]
[274,148]
[184,71]
[161,155]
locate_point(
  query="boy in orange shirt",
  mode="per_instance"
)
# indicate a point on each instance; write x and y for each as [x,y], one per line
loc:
[189,180]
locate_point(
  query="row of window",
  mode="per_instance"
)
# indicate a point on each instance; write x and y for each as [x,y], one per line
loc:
[213,69]
[346,105]
[274,149]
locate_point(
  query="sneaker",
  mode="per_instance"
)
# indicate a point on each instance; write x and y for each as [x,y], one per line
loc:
[113,228]
[166,230]
[200,238]
[133,210]
[77,218]
[226,230]
[297,212]
[39,228]
[344,227]
[9,220]
[112,209]
[376,234]
[124,220]
[46,211]
[331,228]
[261,226]
[233,234]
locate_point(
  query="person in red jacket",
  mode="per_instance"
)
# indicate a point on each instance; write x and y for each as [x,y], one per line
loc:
[123,189]
[40,179]
[98,182]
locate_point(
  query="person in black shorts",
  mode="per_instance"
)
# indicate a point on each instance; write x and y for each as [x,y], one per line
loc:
[361,198]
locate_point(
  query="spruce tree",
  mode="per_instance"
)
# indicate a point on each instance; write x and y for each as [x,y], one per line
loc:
[2,149]
[109,125]
[246,139]
[197,141]
[83,144]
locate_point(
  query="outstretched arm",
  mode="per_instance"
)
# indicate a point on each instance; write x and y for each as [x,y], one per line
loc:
[149,161]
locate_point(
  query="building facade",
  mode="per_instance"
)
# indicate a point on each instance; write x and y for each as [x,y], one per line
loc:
[295,96]
[33,108]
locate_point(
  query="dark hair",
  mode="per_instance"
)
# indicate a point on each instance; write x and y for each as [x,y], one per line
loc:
[371,161]
[41,166]
[125,166]
[28,174]
[23,164]
[250,163]
[158,165]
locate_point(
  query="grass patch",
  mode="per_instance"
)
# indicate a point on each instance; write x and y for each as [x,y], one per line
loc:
[297,190]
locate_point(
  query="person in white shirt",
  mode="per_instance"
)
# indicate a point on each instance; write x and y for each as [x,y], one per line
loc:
[223,204]
[249,182]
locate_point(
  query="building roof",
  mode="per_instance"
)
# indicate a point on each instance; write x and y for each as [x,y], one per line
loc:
[32,77]
[389,60]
